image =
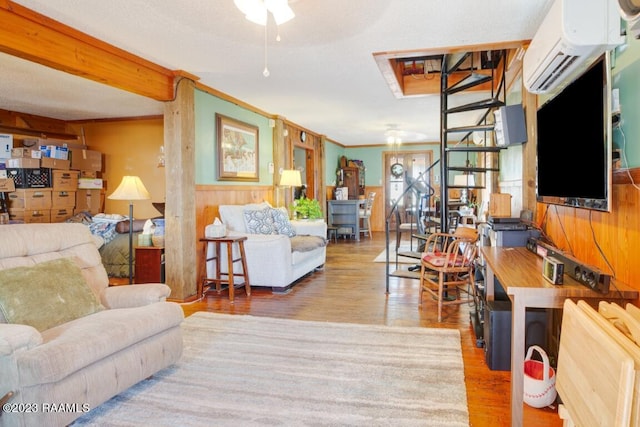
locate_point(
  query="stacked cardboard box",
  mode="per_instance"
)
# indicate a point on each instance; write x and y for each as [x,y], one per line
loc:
[53,180]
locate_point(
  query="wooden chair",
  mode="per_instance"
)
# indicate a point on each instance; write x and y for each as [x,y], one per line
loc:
[446,268]
[365,214]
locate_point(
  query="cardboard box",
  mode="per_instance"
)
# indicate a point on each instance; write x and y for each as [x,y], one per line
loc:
[63,199]
[7,185]
[64,180]
[61,215]
[90,183]
[82,159]
[500,205]
[23,162]
[89,174]
[55,152]
[26,152]
[51,163]
[89,201]
[6,145]
[39,142]
[30,199]
[30,216]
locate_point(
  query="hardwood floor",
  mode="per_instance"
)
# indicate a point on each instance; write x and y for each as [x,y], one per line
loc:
[351,288]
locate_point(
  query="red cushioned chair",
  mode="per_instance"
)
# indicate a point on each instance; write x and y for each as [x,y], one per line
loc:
[446,268]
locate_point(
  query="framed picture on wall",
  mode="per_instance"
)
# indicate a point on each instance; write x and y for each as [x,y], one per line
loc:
[237,145]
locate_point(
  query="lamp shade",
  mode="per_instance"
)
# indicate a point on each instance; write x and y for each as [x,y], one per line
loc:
[130,188]
[290,178]
[464,180]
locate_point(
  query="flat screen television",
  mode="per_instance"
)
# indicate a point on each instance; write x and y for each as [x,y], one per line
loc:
[574,142]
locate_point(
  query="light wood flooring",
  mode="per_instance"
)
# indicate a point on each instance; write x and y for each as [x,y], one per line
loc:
[351,288]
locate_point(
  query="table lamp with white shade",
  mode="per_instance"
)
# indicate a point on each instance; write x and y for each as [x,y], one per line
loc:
[131,188]
[290,178]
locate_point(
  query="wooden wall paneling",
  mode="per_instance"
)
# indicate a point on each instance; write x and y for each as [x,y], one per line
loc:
[13,119]
[584,233]
[321,163]
[180,208]
[530,103]
[280,143]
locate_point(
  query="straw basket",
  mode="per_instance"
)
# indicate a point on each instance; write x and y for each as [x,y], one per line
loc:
[539,380]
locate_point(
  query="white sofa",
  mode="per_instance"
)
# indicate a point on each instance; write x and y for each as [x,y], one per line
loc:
[273,260]
[66,337]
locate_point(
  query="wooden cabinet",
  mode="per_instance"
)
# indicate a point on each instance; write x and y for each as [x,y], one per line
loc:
[149,266]
[351,180]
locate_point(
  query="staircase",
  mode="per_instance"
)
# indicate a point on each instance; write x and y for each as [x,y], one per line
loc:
[467,145]
[469,148]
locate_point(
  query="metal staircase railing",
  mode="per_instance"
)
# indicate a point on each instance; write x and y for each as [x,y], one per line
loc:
[421,186]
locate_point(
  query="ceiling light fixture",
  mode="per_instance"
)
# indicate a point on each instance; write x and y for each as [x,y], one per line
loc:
[394,135]
[257,11]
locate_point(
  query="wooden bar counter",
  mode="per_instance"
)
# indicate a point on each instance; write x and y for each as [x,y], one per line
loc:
[520,273]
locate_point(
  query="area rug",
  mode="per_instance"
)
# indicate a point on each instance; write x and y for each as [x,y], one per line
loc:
[241,370]
[382,256]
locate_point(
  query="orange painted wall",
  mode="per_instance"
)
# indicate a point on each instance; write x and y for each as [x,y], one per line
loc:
[129,147]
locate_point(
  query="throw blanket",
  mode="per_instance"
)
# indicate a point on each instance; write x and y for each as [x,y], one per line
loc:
[104,229]
[303,243]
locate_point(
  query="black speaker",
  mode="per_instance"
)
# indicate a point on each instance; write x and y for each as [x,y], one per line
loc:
[497,333]
[510,127]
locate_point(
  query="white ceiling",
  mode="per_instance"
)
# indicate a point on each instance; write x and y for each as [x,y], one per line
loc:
[323,75]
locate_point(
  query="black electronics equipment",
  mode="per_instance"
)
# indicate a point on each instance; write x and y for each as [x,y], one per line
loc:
[586,131]
[497,332]
[553,270]
[502,223]
[587,275]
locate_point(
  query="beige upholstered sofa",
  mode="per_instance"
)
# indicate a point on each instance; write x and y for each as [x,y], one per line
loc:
[278,255]
[68,340]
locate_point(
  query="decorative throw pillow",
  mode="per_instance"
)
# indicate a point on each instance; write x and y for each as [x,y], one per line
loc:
[281,222]
[46,295]
[259,221]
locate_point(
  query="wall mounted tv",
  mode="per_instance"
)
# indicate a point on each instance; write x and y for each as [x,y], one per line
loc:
[574,142]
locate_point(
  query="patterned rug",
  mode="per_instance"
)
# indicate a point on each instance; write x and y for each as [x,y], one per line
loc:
[240,370]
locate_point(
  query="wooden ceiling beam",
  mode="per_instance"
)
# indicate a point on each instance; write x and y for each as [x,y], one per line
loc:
[37,38]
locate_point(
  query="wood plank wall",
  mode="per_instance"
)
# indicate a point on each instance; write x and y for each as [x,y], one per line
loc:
[607,240]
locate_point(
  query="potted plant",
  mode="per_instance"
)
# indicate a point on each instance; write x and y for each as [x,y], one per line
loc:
[305,208]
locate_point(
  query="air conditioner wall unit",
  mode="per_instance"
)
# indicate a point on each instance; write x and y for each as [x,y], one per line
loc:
[571,36]
[630,12]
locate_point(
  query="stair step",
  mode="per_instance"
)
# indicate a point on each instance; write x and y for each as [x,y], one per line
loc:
[472,80]
[474,148]
[411,254]
[455,60]
[406,274]
[474,128]
[478,105]
[472,169]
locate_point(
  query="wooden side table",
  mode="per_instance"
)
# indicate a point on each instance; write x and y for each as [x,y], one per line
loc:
[149,267]
[229,242]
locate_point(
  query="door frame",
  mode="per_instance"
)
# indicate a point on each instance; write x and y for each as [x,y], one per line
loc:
[387,157]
